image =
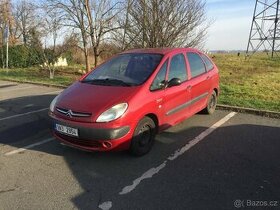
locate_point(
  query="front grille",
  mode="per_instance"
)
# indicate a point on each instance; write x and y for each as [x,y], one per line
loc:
[70,113]
[81,142]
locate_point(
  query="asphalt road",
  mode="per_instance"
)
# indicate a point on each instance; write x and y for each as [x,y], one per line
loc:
[223,161]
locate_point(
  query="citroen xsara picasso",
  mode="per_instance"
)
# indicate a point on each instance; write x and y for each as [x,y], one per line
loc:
[124,102]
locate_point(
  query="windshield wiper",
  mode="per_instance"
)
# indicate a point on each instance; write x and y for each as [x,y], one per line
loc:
[108,82]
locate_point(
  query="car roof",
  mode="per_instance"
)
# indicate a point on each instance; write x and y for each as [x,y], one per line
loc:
[162,51]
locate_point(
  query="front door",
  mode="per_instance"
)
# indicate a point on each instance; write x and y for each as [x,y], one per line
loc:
[177,97]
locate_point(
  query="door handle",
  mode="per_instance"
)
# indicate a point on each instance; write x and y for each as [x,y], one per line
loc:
[189,87]
[159,100]
[208,77]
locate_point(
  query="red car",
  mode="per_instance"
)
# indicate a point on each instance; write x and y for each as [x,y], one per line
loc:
[127,100]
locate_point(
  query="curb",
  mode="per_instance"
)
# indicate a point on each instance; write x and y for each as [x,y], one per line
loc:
[264,113]
[36,83]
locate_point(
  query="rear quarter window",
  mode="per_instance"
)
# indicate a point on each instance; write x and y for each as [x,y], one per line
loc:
[208,63]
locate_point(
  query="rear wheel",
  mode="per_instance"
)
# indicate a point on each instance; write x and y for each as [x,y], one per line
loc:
[211,103]
[143,137]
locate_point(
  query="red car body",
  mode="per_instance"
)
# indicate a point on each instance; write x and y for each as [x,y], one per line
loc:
[166,107]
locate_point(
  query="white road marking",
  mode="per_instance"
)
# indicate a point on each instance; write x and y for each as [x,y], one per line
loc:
[16,88]
[23,114]
[56,91]
[151,172]
[201,136]
[148,174]
[106,205]
[28,147]
[35,94]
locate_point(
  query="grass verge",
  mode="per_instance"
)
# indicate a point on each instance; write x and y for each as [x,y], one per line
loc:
[35,74]
[252,83]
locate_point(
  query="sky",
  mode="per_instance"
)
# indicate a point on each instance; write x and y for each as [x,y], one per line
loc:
[231,24]
[231,21]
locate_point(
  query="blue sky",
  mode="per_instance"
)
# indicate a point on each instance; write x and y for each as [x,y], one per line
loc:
[231,26]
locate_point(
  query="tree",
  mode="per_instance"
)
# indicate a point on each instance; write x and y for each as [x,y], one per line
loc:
[50,57]
[162,23]
[74,16]
[35,47]
[26,19]
[101,17]
[72,49]
[52,23]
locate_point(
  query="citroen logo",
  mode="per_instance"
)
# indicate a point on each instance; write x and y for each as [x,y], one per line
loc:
[69,113]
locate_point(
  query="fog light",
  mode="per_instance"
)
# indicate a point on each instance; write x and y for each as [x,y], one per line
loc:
[107,144]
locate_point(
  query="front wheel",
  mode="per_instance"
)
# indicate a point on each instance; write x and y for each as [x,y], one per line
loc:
[143,137]
[211,103]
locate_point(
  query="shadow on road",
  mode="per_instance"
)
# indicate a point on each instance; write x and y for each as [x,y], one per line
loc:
[234,162]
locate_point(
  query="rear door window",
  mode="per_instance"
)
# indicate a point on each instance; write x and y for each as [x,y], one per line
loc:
[178,68]
[196,64]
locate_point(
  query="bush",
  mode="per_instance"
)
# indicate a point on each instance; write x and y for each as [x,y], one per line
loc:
[35,57]
[20,56]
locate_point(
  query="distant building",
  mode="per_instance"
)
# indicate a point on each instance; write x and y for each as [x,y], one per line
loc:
[61,62]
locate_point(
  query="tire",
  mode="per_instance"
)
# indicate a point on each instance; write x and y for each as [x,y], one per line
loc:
[211,103]
[143,138]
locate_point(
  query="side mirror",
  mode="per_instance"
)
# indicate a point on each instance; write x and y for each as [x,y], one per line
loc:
[163,84]
[174,82]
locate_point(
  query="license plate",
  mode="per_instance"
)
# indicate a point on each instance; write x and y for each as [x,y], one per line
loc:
[67,130]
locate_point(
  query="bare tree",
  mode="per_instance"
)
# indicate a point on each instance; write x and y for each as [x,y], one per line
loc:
[74,16]
[26,18]
[52,23]
[101,17]
[162,23]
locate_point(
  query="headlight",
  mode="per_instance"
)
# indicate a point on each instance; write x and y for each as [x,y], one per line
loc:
[52,105]
[113,113]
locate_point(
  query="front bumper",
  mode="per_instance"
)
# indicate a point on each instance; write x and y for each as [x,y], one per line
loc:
[93,137]
[91,133]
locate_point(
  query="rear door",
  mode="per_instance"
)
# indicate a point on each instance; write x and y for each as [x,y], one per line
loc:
[200,82]
[177,97]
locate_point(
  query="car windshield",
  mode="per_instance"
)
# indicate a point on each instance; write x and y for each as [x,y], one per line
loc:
[124,70]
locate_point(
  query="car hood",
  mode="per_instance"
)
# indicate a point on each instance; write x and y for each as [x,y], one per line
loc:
[93,99]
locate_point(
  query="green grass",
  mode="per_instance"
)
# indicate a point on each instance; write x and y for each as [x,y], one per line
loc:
[253,83]
[63,76]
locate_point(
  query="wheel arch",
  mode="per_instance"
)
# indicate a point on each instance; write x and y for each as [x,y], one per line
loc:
[154,118]
[216,91]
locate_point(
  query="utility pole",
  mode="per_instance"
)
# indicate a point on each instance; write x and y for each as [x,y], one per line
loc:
[265,28]
[7,46]
[275,28]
